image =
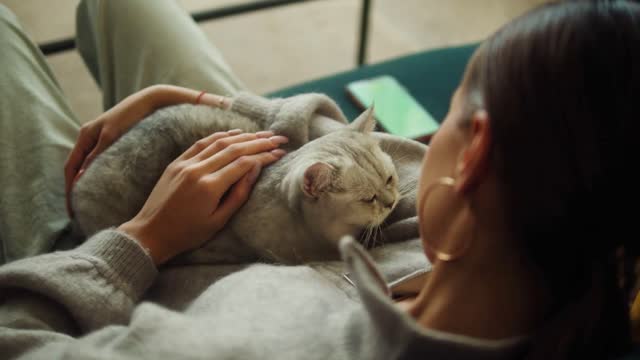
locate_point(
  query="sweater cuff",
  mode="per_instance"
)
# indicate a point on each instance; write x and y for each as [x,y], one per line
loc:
[126,263]
[256,107]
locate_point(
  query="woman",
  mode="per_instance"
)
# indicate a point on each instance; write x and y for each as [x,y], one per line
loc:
[516,204]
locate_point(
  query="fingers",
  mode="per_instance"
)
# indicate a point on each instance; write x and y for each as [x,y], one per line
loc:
[222,144]
[202,144]
[237,196]
[232,144]
[96,150]
[214,161]
[233,172]
[86,141]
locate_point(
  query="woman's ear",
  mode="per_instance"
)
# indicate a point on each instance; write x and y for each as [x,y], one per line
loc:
[473,161]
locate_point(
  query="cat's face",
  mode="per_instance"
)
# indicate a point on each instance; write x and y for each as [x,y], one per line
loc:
[356,185]
[365,189]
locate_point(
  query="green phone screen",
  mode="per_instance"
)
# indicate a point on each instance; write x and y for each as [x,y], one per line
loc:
[395,109]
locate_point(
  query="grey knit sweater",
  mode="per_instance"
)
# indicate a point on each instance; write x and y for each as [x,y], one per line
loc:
[106,300]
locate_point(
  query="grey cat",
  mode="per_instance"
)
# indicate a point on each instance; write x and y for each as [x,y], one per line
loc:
[338,184]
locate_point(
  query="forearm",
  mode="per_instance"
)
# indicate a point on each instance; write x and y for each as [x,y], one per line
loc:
[167,95]
[55,296]
[146,101]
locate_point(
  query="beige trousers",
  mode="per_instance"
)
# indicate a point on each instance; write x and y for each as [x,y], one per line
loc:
[127,45]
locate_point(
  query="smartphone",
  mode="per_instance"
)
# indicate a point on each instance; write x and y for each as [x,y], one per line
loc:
[395,109]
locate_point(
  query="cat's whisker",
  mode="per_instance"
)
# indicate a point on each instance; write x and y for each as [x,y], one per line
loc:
[366,239]
[409,182]
[374,235]
[406,189]
[363,236]
[404,195]
[377,240]
[400,158]
[369,237]
[383,239]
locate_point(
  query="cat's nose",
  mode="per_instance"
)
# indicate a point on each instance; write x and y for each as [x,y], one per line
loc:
[387,200]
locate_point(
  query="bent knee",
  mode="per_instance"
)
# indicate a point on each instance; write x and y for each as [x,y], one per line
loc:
[7,17]
[9,24]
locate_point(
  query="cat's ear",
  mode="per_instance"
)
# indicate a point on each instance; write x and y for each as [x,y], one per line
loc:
[365,123]
[316,179]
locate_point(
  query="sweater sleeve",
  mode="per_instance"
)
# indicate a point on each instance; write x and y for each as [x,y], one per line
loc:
[57,296]
[292,116]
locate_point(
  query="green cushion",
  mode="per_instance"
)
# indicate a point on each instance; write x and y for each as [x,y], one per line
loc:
[430,76]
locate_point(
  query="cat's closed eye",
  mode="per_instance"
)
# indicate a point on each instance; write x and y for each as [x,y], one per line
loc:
[370,199]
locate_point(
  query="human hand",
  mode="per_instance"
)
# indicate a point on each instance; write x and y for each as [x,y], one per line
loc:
[97,135]
[200,191]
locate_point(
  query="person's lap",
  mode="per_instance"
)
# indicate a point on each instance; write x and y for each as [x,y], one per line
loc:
[127,46]
[37,130]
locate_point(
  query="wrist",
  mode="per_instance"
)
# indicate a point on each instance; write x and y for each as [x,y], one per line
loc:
[147,241]
[218,101]
[167,95]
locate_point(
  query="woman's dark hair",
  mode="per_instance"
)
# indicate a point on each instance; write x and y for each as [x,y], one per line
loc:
[561,87]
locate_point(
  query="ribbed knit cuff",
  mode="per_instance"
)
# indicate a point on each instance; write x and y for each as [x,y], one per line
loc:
[127,264]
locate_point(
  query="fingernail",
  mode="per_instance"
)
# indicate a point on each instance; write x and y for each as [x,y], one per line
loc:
[264,134]
[235,132]
[278,152]
[279,139]
[253,174]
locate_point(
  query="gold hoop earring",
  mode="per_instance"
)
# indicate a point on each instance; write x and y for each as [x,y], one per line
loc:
[440,255]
